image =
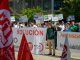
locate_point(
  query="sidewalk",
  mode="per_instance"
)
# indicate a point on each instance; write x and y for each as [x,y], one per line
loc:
[57,57]
[74,56]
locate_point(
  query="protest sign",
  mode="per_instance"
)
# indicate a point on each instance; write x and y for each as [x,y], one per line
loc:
[35,37]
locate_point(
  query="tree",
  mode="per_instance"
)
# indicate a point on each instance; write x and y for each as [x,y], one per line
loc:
[30,12]
[70,7]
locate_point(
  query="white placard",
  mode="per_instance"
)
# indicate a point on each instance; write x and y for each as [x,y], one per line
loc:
[12,18]
[54,18]
[23,19]
[48,17]
[39,18]
[60,16]
[71,17]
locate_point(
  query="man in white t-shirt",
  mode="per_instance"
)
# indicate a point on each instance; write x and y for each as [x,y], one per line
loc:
[62,26]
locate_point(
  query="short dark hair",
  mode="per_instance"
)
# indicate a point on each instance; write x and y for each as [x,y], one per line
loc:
[58,29]
[72,21]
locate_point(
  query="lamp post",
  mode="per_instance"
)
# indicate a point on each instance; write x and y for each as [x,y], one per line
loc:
[52,6]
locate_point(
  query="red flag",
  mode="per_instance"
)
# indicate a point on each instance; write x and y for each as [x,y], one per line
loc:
[66,51]
[6,40]
[24,51]
[4,4]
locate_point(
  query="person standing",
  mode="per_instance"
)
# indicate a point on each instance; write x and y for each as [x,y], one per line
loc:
[50,39]
[79,27]
[73,27]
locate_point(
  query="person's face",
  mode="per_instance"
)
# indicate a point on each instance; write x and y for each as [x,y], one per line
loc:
[72,23]
[32,24]
[79,24]
[49,26]
[62,22]
[45,23]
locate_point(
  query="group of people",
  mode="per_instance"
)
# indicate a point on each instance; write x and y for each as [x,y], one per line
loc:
[70,26]
[52,28]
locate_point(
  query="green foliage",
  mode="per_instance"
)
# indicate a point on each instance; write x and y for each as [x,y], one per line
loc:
[30,12]
[70,7]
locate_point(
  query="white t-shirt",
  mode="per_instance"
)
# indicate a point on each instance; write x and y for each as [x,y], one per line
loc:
[16,26]
[62,27]
[34,26]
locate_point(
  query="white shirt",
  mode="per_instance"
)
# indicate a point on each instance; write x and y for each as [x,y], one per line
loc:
[16,26]
[34,26]
[62,27]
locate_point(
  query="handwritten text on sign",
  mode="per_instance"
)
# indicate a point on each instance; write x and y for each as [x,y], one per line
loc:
[73,38]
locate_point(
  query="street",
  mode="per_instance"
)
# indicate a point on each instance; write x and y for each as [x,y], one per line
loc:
[74,56]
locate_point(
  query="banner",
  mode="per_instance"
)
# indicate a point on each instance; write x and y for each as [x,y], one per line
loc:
[6,40]
[73,38]
[35,37]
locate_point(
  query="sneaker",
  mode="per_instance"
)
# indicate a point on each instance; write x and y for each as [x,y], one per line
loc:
[49,54]
[53,55]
